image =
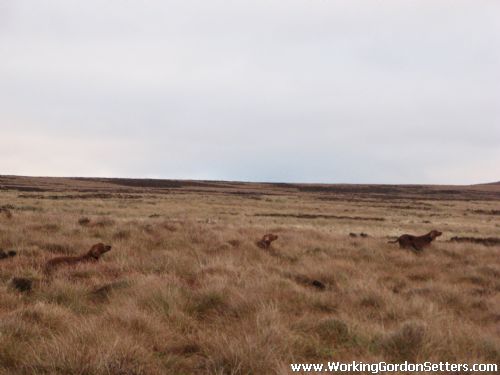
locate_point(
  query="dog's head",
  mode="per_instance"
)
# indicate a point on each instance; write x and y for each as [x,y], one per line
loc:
[270,237]
[97,250]
[435,233]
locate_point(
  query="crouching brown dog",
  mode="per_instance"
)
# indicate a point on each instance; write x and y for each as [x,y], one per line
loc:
[416,243]
[265,242]
[92,255]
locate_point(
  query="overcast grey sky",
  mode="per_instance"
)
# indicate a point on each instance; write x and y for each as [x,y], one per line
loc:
[259,90]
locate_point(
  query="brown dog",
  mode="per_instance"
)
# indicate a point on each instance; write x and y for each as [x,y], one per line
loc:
[416,243]
[92,255]
[265,242]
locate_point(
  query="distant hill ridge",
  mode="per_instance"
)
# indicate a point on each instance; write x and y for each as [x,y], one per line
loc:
[88,185]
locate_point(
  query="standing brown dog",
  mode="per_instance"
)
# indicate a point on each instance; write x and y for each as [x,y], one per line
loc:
[92,255]
[265,242]
[416,243]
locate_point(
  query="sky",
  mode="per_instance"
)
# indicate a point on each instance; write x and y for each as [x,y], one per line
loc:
[327,91]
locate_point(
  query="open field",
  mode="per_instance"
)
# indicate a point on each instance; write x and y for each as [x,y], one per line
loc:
[185,289]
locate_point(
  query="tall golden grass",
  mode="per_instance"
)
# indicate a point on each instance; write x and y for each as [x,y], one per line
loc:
[185,289]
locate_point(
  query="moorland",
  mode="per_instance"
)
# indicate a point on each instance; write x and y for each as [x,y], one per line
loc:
[186,290]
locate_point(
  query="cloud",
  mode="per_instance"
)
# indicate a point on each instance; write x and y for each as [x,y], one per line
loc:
[316,91]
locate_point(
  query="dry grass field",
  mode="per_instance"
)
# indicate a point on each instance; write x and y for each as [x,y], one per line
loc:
[185,289]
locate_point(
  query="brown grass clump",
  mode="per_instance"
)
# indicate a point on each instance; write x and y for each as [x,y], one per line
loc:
[7,254]
[404,343]
[189,292]
[489,241]
[22,284]
[6,211]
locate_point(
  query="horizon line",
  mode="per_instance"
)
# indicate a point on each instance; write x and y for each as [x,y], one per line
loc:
[249,181]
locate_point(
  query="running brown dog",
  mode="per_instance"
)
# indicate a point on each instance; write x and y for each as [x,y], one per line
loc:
[92,255]
[416,243]
[265,242]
